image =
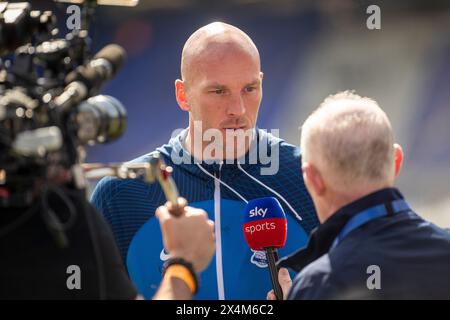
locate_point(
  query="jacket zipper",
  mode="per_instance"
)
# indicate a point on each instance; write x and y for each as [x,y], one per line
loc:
[219,265]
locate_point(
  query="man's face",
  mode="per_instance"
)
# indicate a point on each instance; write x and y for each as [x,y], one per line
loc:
[224,91]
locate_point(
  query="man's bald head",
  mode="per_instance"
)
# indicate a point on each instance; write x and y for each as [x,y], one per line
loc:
[211,43]
[350,140]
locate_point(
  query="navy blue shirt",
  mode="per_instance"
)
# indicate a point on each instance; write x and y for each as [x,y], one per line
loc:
[397,256]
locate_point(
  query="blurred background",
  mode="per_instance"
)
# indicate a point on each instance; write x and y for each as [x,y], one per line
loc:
[309,49]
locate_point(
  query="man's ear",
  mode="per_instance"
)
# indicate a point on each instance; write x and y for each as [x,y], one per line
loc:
[180,94]
[398,158]
[261,75]
[313,179]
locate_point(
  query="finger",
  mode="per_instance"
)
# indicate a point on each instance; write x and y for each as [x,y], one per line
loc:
[175,209]
[162,213]
[283,276]
[196,213]
[182,202]
[271,295]
[212,229]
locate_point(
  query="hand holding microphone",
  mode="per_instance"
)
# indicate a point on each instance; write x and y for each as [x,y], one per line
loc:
[189,239]
[265,228]
[285,283]
[188,236]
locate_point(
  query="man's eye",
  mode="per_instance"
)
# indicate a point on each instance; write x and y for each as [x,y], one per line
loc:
[218,91]
[250,89]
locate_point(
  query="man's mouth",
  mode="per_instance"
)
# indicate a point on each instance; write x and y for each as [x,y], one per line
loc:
[235,128]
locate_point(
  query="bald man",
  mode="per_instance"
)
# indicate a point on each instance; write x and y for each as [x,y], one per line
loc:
[370,244]
[221,161]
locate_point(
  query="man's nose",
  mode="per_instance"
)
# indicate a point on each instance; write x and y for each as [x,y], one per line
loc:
[236,106]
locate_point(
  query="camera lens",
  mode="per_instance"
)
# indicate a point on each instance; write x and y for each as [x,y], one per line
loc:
[100,119]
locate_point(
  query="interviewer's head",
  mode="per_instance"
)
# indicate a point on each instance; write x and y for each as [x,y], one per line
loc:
[348,151]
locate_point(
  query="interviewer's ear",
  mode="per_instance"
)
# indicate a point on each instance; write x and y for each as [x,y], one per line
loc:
[398,158]
[313,179]
[180,94]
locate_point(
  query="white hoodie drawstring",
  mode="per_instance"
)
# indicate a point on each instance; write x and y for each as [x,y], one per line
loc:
[226,185]
[271,190]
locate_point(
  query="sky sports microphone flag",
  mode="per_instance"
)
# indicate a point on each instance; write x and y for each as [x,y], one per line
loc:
[265,228]
[265,224]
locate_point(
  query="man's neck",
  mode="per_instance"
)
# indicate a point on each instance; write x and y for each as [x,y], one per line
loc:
[195,148]
[338,200]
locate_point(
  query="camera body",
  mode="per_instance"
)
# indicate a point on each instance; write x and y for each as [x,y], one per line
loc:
[49,107]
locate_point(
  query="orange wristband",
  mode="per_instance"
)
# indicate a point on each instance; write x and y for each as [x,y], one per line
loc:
[183,273]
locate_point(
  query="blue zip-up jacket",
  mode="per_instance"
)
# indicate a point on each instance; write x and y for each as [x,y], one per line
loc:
[222,190]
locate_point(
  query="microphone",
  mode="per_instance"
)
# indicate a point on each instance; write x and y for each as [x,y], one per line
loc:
[88,78]
[265,228]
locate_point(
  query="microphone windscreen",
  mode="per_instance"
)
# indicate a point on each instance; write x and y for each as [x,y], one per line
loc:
[265,224]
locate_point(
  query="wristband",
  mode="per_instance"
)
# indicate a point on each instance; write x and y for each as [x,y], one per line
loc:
[182,269]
